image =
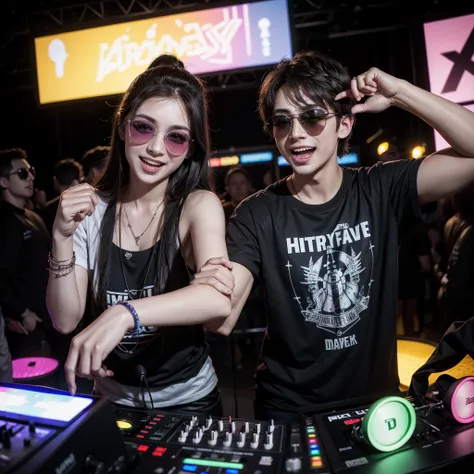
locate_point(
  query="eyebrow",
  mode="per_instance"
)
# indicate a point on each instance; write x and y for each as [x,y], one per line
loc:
[154,122]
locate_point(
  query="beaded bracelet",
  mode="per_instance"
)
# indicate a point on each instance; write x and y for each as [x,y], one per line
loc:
[136,318]
[61,268]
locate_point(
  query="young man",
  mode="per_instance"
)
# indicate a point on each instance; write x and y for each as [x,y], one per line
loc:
[323,241]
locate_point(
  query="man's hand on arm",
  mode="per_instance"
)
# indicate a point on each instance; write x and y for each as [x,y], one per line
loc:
[231,279]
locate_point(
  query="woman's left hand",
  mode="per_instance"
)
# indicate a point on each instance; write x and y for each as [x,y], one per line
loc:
[92,345]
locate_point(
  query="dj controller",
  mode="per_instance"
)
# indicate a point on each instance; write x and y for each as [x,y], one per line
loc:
[44,431]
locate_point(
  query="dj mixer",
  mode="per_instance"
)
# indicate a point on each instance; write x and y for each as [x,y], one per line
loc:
[172,442]
[43,431]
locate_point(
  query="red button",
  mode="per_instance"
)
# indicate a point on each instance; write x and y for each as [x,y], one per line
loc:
[143,448]
[152,422]
[140,436]
[144,431]
[160,449]
[148,427]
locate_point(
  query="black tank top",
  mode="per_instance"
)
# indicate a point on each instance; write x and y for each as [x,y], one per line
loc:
[170,354]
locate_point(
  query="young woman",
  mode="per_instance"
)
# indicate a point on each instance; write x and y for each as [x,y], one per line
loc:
[136,237]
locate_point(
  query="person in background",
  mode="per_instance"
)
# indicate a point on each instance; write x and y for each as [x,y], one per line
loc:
[94,162]
[67,173]
[238,186]
[6,374]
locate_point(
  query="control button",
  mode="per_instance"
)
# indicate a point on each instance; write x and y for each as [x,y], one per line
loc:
[220,425]
[258,428]
[293,464]
[93,465]
[241,442]
[189,468]
[271,427]
[265,461]
[255,439]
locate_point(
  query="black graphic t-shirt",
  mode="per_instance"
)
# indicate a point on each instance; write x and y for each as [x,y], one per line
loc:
[169,354]
[330,278]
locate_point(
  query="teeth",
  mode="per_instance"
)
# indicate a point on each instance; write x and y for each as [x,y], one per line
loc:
[299,150]
[151,163]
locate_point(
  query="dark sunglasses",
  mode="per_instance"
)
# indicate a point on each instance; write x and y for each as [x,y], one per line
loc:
[313,121]
[142,132]
[23,172]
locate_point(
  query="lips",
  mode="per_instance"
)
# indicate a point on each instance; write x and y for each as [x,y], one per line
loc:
[150,166]
[301,155]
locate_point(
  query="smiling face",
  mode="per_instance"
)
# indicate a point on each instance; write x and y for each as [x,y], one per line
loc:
[308,148]
[157,139]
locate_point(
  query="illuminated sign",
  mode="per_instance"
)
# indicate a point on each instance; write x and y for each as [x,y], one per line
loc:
[449,54]
[104,60]
[259,157]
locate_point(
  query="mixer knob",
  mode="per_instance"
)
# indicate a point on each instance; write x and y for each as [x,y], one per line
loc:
[254,443]
[271,427]
[241,442]
[186,429]
[197,437]
[213,439]
[208,422]
[247,426]
[258,428]
[182,436]
[228,439]
[293,464]
[194,420]
[93,465]
[269,441]
[232,426]
[220,425]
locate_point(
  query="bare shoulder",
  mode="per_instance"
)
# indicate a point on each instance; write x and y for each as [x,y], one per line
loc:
[202,201]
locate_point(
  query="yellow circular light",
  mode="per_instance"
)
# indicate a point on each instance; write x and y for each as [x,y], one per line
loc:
[418,152]
[382,148]
[124,425]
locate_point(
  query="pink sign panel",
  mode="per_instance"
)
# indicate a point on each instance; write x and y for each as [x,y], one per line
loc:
[449,51]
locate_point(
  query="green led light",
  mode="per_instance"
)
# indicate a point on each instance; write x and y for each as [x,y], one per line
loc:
[389,423]
[208,462]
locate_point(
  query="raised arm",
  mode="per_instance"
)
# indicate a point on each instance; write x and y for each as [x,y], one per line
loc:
[446,171]
[67,289]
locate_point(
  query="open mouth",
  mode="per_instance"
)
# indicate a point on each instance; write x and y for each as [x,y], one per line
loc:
[303,153]
[150,165]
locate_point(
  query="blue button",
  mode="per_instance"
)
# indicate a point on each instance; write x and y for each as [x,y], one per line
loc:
[315,452]
[189,468]
[231,471]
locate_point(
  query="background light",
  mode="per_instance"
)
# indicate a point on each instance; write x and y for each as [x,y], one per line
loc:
[382,148]
[418,152]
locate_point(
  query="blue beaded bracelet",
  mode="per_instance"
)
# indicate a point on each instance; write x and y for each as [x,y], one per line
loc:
[136,318]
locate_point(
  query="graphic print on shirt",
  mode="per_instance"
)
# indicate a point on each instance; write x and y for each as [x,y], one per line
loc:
[146,333]
[333,287]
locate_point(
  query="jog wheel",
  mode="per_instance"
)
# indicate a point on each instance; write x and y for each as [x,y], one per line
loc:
[388,425]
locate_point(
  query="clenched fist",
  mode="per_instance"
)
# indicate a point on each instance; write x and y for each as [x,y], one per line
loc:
[75,204]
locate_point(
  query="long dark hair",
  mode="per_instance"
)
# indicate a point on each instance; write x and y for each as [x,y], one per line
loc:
[166,77]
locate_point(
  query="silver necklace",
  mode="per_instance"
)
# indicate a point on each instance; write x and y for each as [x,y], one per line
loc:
[129,225]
